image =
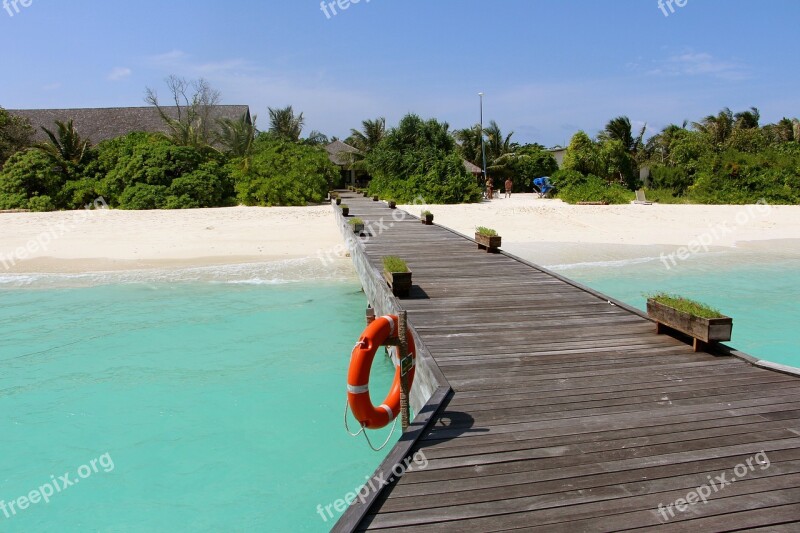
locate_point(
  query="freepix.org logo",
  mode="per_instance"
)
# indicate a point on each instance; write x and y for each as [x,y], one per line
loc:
[331,8]
[665,5]
[12,7]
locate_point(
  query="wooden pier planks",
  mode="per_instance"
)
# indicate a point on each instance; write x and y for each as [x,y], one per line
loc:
[569,413]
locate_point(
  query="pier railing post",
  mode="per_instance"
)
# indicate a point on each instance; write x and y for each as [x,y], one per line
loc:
[401,356]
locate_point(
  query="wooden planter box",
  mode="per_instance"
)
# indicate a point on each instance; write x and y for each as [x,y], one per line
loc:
[338,201]
[345,211]
[374,198]
[703,330]
[400,282]
[427,220]
[366,195]
[491,244]
[392,204]
[357,228]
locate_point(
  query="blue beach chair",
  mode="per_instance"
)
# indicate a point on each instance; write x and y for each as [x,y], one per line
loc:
[542,186]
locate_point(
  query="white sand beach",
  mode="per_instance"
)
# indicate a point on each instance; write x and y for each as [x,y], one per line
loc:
[524,218]
[122,240]
[552,233]
[107,240]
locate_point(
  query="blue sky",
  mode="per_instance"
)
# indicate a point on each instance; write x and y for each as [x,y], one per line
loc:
[548,67]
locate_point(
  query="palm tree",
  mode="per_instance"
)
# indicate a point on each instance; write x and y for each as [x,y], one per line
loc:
[373,131]
[660,145]
[236,136]
[469,142]
[620,129]
[497,145]
[284,124]
[747,120]
[66,147]
[317,138]
[718,127]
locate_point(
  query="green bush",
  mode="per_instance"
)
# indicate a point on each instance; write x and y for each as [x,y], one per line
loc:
[208,186]
[595,189]
[420,159]
[78,193]
[26,175]
[734,177]
[283,173]
[664,196]
[142,159]
[676,179]
[143,196]
[41,204]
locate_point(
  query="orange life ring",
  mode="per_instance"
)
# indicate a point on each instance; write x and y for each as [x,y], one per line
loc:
[376,335]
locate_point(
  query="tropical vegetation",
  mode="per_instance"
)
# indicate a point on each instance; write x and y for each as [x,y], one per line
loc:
[727,158]
[201,161]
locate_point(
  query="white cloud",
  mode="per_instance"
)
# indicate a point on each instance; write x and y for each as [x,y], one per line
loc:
[691,63]
[119,73]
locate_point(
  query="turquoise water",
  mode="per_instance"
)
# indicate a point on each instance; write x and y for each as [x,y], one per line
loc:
[761,291]
[219,404]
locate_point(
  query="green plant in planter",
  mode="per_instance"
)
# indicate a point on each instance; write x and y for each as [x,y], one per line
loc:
[686,305]
[487,239]
[356,224]
[703,323]
[426,217]
[398,275]
[394,264]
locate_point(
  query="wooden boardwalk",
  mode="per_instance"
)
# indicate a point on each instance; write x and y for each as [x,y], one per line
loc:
[568,413]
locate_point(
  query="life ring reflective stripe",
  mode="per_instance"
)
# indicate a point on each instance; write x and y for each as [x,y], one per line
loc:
[376,335]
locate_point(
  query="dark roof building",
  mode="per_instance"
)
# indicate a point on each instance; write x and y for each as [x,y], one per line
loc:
[100,124]
[341,153]
[473,169]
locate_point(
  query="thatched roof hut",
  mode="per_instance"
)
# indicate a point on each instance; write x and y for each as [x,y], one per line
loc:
[100,124]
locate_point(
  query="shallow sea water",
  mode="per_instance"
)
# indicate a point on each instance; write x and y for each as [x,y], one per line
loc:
[217,394]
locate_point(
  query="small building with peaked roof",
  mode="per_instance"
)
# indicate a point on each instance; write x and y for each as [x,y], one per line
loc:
[475,170]
[100,124]
[344,156]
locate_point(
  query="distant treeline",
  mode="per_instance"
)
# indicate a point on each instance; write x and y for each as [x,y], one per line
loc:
[724,158]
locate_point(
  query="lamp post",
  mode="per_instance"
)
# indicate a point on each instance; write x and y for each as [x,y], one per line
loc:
[483,143]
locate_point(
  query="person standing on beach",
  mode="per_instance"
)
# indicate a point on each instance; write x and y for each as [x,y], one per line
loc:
[509,187]
[489,188]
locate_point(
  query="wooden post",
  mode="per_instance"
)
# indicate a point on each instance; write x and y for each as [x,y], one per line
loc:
[401,356]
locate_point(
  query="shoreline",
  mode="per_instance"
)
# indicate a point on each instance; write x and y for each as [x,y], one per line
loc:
[546,232]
